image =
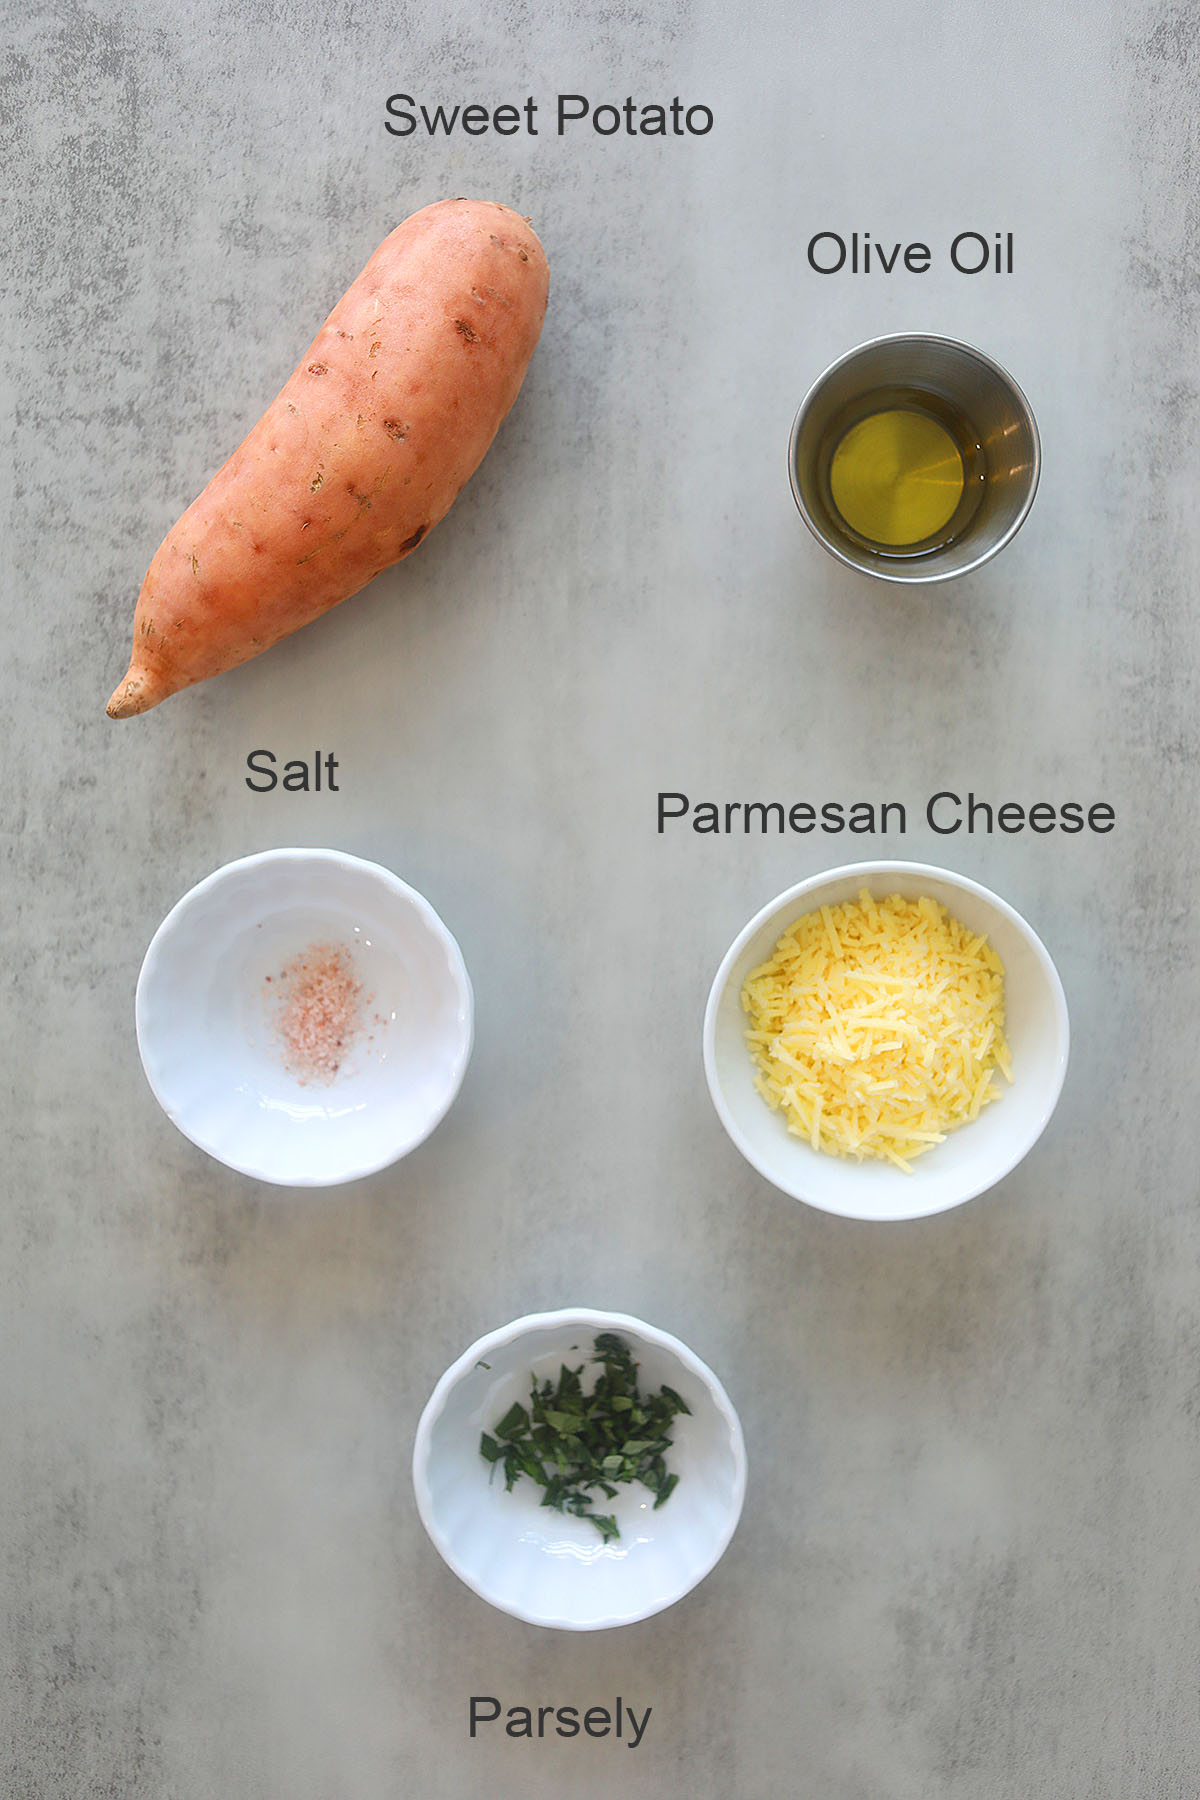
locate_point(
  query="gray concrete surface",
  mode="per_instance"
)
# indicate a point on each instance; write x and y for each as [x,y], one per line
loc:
[968,1563]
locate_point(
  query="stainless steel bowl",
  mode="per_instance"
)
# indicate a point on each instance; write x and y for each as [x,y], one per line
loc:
[950,373]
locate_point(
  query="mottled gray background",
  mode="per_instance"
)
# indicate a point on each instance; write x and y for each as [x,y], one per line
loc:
[969,1560]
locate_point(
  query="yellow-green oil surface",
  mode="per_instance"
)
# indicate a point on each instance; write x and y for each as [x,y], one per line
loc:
[904,472]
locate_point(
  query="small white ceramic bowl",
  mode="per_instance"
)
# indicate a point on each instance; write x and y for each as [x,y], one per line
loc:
[207,1024]
[972,1158]
[546,1567]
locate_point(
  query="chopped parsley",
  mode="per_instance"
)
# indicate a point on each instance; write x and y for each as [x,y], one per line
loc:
[575,1444]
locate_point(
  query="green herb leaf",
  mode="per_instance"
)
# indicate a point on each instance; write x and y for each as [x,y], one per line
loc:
[571,1443]
[515,1422]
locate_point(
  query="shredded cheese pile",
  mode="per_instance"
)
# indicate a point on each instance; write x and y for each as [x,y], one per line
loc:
[876,1027]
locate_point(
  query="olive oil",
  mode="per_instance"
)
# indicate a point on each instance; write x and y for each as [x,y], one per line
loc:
[903,472]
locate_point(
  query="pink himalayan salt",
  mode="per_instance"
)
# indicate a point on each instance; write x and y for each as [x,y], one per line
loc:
[319,1002]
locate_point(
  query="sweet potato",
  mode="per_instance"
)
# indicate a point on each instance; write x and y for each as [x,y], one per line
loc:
[390,411]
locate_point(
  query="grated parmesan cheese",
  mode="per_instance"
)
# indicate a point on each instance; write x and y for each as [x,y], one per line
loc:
[876,1027]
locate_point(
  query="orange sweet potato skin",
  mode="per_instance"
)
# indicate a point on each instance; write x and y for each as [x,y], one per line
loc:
[389,412]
